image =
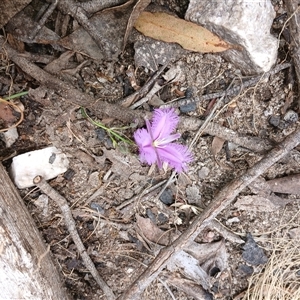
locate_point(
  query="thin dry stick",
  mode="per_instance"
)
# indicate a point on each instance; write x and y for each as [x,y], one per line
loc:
[104,109]
[77,12]
[232,91]
[94,6]
[144,89]
[224,198]
[70,223]
[43,19]
[292,7]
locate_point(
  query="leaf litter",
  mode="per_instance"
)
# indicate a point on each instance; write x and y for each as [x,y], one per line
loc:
[110,176]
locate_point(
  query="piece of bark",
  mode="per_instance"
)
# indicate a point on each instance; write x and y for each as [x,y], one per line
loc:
[9,8]
[293,11]
[286,185]
[223,199]
[78,13]
[26,268]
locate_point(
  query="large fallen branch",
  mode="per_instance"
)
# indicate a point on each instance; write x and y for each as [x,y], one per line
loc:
[26,268]
[102,109]
[221,201]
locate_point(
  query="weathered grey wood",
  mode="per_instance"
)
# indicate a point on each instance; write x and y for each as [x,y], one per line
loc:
[292,7]
[9,8]
[26,268]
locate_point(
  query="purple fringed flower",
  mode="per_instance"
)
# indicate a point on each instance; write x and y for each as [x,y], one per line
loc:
[155,142]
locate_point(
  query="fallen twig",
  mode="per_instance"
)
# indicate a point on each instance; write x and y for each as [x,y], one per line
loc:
[129,100]
[43,20]
[104,109]
[294,20]
[77,12]
[69,93]
[230,92]
[221,201]
[93,6]
[70,223]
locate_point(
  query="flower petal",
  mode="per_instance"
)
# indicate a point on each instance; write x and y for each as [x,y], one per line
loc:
[148,155]
[142,137]
[176,155]
[164,122]
[147,152]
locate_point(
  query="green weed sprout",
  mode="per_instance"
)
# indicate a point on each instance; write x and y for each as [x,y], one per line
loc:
[16,95]
[114,133]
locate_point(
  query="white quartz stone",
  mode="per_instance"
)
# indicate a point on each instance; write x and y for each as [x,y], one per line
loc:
[240,22]
[48,163]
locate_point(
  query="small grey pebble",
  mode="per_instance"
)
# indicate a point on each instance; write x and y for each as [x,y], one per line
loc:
[97,208]
[151,215]
[188,107]
[274,120]
[291,116]
[246,270]
[69,174]
[162,218]
[167,197]
[252,253]
[203,172]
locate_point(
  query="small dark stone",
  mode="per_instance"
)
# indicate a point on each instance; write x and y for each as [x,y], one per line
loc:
[101,134]
[189,93]
[52,158]
[253,254]
[167,197]
[188,107]
[73,264]
[69,174]
[162,218]
[151,215]
[274,120]
[246,270]
[97,207]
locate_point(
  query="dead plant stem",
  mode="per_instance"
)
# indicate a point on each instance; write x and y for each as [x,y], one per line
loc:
[224,198]
[62,203]
[232,91]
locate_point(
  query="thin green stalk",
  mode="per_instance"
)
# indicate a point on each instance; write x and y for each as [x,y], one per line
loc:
[112,132]
[16,95]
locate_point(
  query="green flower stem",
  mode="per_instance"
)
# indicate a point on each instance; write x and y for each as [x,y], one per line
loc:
[112,132]
[16,95]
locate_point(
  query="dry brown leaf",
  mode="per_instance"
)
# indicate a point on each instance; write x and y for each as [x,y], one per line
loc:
[190,36]
[152,232]
[217,145]
[136,11]
[7,114]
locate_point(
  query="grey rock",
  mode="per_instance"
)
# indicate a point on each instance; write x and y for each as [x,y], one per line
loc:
[243,23]
[291,117]
[252,253]
[203,172]
[167,197]
[150,53]
[193,194]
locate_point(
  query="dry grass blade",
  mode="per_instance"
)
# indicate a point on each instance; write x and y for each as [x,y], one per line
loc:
[137,9]
[280,278]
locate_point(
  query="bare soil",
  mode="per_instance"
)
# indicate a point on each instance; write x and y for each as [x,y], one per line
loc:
[104,185]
